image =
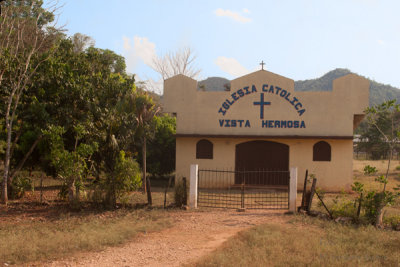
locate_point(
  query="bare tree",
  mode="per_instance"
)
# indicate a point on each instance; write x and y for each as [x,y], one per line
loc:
[81,42]
[173,63]
[26,38]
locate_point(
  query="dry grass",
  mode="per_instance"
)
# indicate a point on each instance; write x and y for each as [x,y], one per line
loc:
[40,240]
[381,165]
[308,242]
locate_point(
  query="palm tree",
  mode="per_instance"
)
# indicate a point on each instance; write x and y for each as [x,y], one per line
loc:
[146,109]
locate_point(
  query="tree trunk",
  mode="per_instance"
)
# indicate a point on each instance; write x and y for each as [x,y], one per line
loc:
[144,164]
[77,194]
[4,196]
[71,185]
[379,216]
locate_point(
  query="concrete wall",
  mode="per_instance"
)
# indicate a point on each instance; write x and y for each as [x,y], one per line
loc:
[328,116]
[333,175]
[326,113]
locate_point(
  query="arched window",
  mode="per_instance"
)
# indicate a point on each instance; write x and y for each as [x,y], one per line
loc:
[204,149]
[322,151]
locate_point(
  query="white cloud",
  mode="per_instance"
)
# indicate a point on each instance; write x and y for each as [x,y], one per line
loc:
[381,42]
[142,49]
[231,14]
[231,66]
[245,10]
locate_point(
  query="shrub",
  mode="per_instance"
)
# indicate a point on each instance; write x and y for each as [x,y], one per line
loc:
[343,207]
[125,178]
[180,194]
[392,220]
[19,185]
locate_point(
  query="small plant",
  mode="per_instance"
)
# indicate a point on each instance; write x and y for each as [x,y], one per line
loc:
[19,186]
[398,168]
[343,207]
[374,201]
[180,194]
[393,221]
[369,170]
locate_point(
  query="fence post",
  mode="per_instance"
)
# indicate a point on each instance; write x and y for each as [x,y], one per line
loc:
[194,168]
[293,189]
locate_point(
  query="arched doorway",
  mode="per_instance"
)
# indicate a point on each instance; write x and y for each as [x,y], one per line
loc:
[262,163]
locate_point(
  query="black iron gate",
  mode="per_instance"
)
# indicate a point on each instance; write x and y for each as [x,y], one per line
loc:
[243,189]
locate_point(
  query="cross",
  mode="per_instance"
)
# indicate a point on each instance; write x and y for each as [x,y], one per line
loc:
[262,104]
[262,64]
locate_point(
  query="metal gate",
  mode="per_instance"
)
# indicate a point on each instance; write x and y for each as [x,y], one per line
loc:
[243,189]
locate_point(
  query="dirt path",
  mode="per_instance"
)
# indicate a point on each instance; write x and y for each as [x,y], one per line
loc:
[193,235]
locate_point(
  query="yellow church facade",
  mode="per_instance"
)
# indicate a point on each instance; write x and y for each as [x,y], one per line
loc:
[262,123]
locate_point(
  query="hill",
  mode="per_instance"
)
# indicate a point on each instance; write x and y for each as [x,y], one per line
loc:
[214,84]
[378,92]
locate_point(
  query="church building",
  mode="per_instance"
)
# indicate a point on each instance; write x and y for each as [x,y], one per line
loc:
[260,122]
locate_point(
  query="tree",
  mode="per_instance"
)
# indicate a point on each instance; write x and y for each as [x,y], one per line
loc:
[81,42]
[145,112]
[161,148]
[72,165]
[178,62]
[390,134]
[26,41]
[372,140]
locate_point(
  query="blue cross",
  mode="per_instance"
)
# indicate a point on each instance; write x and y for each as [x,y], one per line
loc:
[262,104]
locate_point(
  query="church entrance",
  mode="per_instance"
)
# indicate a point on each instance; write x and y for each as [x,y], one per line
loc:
[262,163]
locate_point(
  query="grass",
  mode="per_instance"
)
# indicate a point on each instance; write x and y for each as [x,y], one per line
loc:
[369,184]
[27,242]
[308,241]
[381,165]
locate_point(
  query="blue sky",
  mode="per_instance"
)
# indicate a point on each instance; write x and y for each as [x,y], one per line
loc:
[299,39]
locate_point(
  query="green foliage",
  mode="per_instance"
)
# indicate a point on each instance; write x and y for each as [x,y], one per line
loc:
[392,220]
[161,148]
[357,187]
[381,133]
[127,176]
[343,207]
[369,170]
[124,179]
[71,166]
[19,185]
[372,200]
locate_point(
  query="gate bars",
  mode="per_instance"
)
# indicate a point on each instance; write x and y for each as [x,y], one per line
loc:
[260,189]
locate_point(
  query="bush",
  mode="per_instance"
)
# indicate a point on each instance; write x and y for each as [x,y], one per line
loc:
[180,194]
[125,178]
[19,185]
[392,220]
[343,208]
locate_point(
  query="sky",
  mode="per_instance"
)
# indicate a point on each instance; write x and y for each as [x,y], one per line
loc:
[298,39]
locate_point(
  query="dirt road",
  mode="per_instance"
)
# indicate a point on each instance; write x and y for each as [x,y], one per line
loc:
[194,234]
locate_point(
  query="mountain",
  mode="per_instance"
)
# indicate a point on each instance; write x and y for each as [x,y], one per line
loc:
[378,92]
[214,84]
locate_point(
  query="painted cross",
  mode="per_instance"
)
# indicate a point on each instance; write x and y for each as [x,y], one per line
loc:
[262,104]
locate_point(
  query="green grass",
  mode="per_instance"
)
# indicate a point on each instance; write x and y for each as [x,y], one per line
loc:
[26,242]
[308,242]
